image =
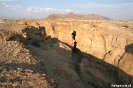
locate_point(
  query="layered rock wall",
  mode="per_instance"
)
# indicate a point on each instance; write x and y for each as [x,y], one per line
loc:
[103,44]
[106,47]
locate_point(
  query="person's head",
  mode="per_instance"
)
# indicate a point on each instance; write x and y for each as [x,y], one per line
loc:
[75,43]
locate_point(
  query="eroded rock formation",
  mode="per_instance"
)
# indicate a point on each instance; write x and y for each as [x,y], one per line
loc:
[106,47]
[103,45]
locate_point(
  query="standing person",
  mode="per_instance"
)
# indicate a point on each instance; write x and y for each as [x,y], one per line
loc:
[74,35]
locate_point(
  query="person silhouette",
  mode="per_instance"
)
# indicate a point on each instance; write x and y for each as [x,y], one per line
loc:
[74,35]
[75,44]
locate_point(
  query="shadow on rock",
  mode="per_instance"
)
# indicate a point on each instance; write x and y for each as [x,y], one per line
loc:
[129,48]
[52,62]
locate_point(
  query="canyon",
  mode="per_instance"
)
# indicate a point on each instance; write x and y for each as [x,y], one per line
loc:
[32,58]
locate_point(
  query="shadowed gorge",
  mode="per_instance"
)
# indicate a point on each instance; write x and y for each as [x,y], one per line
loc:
[46,55]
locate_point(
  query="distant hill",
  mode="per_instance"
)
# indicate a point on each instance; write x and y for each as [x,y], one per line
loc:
[72,15]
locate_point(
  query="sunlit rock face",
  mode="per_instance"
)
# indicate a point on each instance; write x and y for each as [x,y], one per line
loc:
[104,50]
[103,44]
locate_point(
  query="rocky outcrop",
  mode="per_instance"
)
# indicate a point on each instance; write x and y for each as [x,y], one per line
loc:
[39,61]
[18,68]
[125,64]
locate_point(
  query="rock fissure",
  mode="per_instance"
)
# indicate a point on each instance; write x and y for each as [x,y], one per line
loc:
[120,58]
[108,53]
[104,42]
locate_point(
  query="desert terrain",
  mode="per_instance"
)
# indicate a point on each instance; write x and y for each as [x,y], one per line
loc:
[43,54]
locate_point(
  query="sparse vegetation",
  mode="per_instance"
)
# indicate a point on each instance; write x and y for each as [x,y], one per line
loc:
[126,26]
[4,19]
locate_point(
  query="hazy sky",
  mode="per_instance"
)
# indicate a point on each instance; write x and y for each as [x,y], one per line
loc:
[114,9]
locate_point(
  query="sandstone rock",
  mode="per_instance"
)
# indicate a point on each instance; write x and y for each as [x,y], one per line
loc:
[125,66]
[105,45]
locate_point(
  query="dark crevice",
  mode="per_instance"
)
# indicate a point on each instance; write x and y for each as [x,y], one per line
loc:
[120,59]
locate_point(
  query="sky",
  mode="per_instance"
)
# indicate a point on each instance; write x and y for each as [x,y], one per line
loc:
[114,9]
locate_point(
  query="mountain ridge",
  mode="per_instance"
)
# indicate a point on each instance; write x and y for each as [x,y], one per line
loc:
[72,15]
